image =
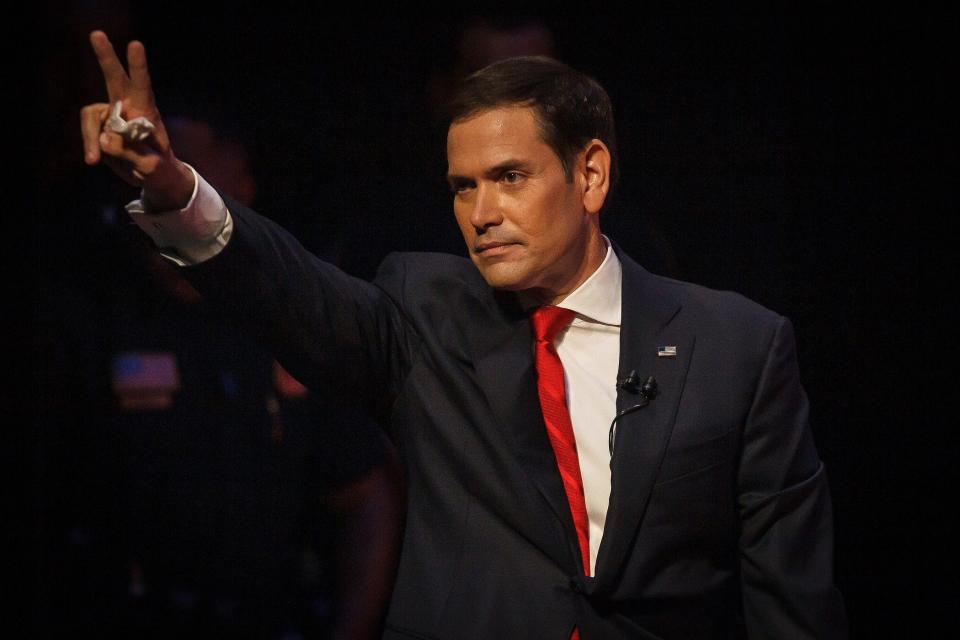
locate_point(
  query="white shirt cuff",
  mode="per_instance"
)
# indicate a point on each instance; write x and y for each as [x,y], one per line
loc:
[193,234]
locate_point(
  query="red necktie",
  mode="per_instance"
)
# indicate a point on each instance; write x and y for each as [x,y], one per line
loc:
[547,322]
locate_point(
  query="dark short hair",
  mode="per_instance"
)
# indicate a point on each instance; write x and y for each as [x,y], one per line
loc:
[571,107]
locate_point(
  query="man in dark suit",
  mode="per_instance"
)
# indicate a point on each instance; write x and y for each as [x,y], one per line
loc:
[703,511]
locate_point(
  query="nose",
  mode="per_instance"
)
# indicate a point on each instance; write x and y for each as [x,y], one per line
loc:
[486,208]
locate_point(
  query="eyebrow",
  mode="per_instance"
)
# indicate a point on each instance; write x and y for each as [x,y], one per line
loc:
[510,164]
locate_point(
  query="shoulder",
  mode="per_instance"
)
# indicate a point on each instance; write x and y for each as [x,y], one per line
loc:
[717,305]
[417,271]
[726,315]
[733,334]
[434,280]
[447,302]
[445,262]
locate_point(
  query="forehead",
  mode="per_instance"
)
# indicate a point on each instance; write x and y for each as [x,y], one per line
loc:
[494,135]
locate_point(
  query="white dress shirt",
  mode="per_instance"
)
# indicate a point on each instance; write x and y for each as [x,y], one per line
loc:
[590,352]
[589,348]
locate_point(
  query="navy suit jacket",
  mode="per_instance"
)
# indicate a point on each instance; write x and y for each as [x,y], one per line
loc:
[719,522]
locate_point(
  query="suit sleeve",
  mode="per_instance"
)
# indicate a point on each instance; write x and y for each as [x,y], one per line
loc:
[786,537]
[342,337]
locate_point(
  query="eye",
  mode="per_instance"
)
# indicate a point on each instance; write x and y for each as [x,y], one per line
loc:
[512,177]
[460,186]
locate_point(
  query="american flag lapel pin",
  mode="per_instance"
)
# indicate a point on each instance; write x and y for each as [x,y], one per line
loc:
[669,351]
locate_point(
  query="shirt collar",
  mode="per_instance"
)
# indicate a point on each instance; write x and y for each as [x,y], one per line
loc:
[599,297]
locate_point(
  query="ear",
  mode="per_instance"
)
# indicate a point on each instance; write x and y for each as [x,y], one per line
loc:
[595,170]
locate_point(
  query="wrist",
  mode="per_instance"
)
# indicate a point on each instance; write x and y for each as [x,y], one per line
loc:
[169,190]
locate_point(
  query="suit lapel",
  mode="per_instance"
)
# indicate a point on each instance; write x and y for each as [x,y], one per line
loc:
[504,363]
[649,311]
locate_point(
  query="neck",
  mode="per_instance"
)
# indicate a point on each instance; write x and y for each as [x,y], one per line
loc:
[595,250]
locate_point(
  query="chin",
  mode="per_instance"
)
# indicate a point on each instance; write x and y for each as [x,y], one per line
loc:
[503,279]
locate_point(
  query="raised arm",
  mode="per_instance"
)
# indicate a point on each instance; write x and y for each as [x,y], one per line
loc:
[335,333]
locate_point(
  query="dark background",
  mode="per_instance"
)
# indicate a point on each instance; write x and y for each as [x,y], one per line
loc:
[795,159]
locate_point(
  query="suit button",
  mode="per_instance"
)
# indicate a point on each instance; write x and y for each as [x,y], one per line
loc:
[575,585]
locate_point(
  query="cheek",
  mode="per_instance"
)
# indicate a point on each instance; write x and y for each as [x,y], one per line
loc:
[463,221]
[546,225]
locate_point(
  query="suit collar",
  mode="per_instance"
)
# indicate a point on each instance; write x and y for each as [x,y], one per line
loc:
[599,297]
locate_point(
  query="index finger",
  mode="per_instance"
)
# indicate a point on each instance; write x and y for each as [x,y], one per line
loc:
[113,72]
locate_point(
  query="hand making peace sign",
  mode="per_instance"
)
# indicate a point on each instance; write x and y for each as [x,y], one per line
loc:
[167,182]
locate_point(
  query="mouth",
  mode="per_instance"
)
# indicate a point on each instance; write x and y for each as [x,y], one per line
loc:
[487,249]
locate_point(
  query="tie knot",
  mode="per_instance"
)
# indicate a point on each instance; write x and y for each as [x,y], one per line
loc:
[548,321]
